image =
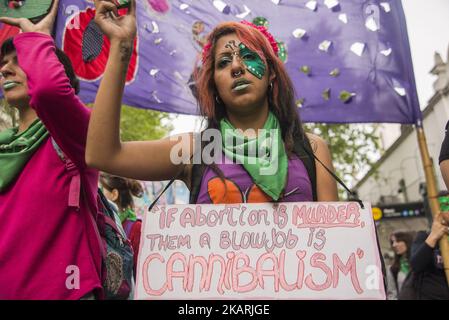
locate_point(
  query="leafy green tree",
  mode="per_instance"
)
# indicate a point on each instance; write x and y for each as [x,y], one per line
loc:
[141,124]
[354,148]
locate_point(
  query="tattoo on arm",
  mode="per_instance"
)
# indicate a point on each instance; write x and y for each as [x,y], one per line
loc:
[125,51]
[125,55]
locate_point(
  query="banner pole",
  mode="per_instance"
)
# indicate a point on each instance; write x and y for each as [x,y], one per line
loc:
[432,193]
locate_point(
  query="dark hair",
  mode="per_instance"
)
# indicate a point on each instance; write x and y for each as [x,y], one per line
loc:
[126,189]
[406,237]
[8,47]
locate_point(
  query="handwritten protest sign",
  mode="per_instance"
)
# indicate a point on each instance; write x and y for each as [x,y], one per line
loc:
[259,251]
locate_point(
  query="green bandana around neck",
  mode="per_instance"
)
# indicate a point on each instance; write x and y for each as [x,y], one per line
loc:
[263,157]
[404,265]
[17,148]
[128,214]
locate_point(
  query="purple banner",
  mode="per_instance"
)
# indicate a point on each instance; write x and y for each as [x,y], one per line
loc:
[349,60]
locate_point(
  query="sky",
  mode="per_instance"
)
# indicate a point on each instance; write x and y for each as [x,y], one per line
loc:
[428,31]
[428,25]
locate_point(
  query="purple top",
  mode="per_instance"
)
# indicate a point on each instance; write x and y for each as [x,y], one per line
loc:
[241,188]
[44,243]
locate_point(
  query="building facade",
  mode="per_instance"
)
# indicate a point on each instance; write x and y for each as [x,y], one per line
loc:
[398,176]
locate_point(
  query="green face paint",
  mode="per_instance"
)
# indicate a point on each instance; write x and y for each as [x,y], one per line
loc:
[252,61]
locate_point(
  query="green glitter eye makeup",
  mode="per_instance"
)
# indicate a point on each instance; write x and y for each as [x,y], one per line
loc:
[252,61]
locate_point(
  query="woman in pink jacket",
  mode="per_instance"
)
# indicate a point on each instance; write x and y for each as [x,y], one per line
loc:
[48,245]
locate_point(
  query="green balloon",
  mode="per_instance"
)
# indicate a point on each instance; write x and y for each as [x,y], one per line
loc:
[30,9]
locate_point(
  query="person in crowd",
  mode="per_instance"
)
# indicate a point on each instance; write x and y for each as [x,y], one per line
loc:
[121,191]
[427,262]
[401,244]
[48,246]
[444,157]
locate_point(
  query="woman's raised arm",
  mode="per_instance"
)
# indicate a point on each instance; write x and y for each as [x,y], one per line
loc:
[143,160]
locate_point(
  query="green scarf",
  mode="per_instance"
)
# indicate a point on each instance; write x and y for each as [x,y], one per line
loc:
[269,169]
[128,214]
[404,265]
[17,148]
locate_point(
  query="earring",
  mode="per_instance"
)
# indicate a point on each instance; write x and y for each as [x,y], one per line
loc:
[217,99]
[271,86]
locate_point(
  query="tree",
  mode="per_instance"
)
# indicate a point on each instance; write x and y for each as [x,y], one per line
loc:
[142,124]
[354,148]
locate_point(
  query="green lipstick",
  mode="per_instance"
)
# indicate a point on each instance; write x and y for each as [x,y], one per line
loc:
[10,84]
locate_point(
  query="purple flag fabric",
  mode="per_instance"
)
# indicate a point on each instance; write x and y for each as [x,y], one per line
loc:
[349,60]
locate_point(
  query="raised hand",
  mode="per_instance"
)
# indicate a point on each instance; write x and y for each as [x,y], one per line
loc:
[44,26]
[115,27]
[439,229]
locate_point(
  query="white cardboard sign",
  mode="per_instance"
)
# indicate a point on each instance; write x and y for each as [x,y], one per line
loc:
[316,250]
